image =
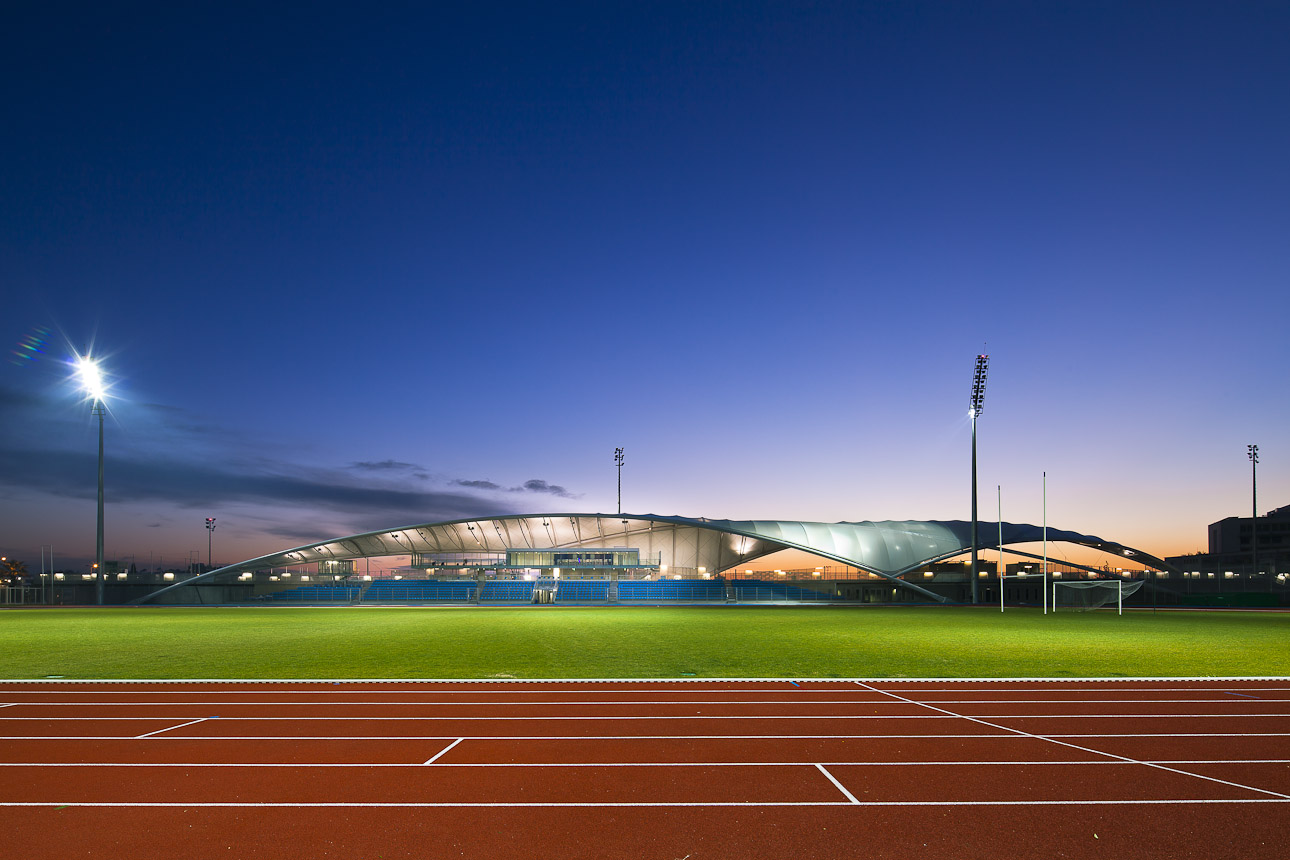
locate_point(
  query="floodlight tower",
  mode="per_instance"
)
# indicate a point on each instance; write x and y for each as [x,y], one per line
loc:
[1254,523]
[210,533]
[978,403]
[618,460]
[92,384]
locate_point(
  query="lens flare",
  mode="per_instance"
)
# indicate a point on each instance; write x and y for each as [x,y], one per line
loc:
[31,348]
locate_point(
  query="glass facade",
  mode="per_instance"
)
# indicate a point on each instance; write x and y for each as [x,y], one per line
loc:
[575,558]
[457,559]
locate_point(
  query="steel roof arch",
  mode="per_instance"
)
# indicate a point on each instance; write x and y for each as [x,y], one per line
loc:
[888,548]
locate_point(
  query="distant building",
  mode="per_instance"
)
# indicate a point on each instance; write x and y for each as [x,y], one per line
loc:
[1231,545]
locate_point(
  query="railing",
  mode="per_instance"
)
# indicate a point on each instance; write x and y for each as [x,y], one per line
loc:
[16,595]
[317,594]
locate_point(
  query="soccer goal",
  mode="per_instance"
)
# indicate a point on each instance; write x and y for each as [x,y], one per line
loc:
[1085,596]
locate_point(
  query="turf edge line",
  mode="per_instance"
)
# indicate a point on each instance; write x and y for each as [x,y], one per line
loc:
[688,680]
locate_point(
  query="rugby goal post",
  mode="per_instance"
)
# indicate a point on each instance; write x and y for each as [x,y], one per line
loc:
[1087,595]
[1035,578]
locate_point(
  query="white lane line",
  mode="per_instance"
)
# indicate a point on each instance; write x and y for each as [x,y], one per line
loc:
[958,685]
[645,804]
[644,703]
[594,764]
[436,756]
[634,702]
[542,718]
[1050,739]
[171,728]
[839,786]
[525,719]
[1006,734]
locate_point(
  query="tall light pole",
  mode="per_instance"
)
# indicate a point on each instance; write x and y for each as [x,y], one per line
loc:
[92,383]
[210,533]
[1254,523]
[978,403]
[618,459]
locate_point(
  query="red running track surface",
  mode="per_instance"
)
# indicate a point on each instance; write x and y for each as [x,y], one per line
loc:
[666,770]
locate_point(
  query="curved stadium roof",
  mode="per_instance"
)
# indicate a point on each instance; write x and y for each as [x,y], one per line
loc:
[889,548]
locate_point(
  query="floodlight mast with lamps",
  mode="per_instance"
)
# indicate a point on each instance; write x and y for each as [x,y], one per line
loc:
[1254,522]
[210,532]
[618,460]
[92,383]
[978,403]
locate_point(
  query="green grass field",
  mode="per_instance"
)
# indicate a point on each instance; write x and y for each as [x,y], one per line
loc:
[637,642]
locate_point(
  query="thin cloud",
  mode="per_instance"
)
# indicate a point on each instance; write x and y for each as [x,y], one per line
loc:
[478,485]
[189,485]
[535,485]
[386,466]
[539,486]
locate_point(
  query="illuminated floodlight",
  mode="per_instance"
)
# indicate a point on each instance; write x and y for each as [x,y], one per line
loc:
[978,386]
[91,376]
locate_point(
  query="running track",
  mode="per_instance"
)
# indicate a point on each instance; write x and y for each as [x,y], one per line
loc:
[651,770]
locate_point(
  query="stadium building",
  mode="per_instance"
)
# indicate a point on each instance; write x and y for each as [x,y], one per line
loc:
[626,558]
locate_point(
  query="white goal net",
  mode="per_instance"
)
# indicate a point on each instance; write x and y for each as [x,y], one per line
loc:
[1092,594]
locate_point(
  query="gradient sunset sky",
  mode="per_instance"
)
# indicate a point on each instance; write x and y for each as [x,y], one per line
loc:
[354,266]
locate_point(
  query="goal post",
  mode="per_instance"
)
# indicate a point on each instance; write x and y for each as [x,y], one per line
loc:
[1087,595]
[1037,579]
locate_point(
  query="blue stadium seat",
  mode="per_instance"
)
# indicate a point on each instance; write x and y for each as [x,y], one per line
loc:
[672,589]
[427,591]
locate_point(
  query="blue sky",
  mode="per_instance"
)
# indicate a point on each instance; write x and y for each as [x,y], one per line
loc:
[356,267]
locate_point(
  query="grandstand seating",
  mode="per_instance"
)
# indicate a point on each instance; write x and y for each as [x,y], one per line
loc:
[510,590]
[433,591]
[567,590]
[585,589]
[671,589]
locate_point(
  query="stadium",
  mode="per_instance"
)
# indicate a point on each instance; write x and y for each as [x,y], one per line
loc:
[625,558]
